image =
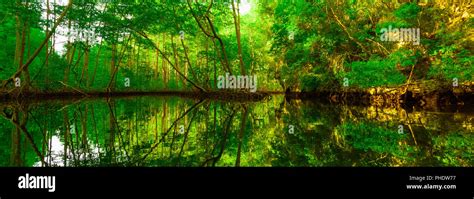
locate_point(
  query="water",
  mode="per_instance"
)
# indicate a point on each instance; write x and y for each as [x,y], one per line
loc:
[171,131]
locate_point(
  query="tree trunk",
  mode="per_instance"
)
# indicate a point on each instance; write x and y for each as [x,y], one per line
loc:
[177,63]
[71,50]
[38,50]
[46,79]
[111,86]
[85,68]
[22,54]
[236,14]
[164,64]
[97,58]
[167,60]
[157,54]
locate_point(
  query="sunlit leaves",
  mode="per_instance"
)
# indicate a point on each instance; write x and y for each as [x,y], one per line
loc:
[375,72]
[407,11]
[454,149]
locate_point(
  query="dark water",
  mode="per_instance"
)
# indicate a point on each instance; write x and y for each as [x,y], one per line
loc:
[167,131]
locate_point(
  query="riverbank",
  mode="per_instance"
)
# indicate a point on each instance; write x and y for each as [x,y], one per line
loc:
[65,95]
[419,94]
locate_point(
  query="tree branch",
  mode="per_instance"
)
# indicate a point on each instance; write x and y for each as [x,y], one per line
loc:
[143,34]
[38,50]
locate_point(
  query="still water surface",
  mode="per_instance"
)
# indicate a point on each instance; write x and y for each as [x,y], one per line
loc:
[172,131]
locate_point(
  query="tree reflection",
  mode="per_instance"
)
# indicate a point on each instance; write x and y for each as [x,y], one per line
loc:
[167,131]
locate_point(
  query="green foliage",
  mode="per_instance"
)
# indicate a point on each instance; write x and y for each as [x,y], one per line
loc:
[392,24]
[407,11]
[453,63]
[454,149]
[134,132]
[5,143]
[301,45]
[370,137]
[405,57]
[313,82]
[297,45]
[375,72]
